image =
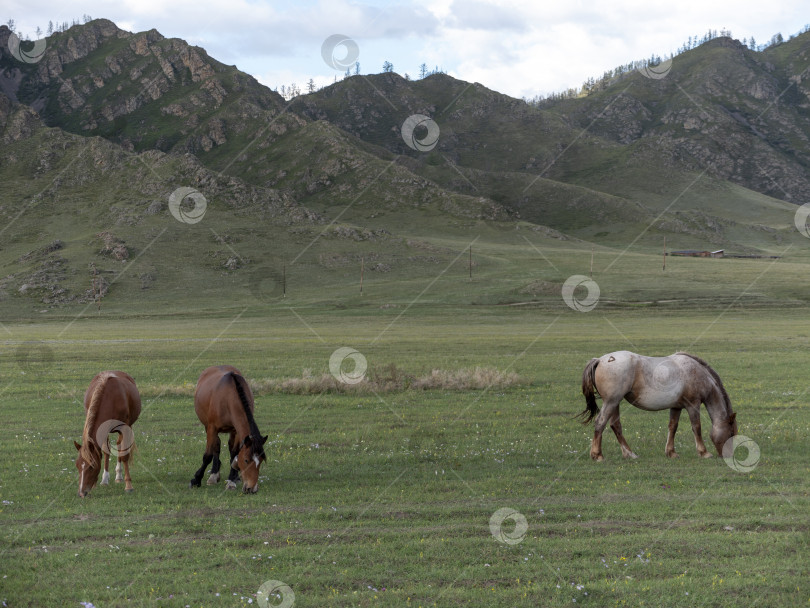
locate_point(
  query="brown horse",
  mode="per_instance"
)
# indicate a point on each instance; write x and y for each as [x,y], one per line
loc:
[112,405]
[224,404]
[680,381]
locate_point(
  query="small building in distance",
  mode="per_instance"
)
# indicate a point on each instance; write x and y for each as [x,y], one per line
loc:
[695,253]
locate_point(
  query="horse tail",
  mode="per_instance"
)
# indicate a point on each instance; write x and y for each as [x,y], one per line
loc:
[128,450]
[590,392]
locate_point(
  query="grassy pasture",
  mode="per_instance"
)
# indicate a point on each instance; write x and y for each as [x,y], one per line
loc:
[386,499]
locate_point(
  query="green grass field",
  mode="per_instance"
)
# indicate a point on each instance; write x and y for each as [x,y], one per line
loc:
[386,499]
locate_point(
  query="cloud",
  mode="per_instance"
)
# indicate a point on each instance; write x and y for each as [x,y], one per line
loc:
[485,16]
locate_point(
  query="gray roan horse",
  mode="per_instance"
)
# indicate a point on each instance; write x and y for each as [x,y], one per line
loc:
[680,381]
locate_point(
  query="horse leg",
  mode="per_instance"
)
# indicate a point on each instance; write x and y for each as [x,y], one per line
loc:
[694,418]
[119,477]
[233,476]
[105,477]
[214,477]
[599,424]
[123,459]
[208,456]
[674,417]
[616,425]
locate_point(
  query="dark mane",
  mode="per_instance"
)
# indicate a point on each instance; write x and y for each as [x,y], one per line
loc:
[716,377]
[257,449]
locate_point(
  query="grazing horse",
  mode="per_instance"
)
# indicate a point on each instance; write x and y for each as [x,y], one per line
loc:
[224,404]
[680,381]
[112,405]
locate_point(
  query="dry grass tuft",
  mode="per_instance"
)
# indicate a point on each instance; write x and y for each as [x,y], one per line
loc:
[391,379]
[477,378]
[307,384]
[387,379]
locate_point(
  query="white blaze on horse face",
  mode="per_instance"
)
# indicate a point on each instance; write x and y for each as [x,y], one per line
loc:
[257,461]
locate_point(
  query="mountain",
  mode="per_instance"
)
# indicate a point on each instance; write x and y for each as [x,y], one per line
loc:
[739,114]
[723,112]
[103,130]
[77,209]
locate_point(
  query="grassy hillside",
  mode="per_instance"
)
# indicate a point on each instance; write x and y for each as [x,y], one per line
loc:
[326,190]
[90,211]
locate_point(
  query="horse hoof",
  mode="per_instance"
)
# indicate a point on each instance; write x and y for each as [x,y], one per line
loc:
[672,455]
[213,479]
[706,455]
[129,490]
[194,484]
[230,485]
[597,457]
[632,456]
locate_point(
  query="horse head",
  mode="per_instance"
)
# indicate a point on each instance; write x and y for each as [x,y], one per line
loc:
[88,463]
[248,461]
[723,431]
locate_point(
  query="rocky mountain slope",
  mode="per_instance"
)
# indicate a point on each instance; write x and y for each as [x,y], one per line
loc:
[743,116]
[141,90]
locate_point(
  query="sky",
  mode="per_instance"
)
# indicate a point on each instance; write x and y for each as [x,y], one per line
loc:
[522,48]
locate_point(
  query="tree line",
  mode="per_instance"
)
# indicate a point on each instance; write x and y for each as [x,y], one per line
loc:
[288,92]
[593,85]
[590,86]
[53,28]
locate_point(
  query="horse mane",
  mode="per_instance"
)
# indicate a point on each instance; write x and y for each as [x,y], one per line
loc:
[90,455]
[256,447]
[716,377]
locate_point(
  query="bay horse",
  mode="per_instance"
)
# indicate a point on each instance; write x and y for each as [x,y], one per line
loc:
[677,382]
[112,405]
[224,404]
